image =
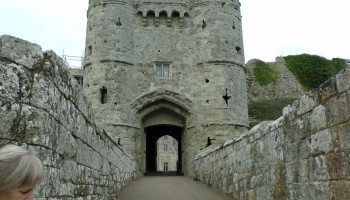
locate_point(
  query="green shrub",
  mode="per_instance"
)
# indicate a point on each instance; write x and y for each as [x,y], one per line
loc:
[313,70]
[337,64]
[263,73]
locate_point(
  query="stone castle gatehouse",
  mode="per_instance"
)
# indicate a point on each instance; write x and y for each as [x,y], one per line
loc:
[166,67]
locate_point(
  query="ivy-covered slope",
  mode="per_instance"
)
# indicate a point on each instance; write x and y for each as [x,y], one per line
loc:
[313,70]
[309,70]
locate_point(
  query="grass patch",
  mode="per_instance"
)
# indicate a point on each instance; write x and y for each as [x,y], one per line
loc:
[263,73]
[265,110]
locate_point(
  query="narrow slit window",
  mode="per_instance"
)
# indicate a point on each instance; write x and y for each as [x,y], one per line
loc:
[90,50]
[103,95]
[204,24]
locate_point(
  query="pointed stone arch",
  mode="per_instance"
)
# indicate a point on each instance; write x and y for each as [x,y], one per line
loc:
[162,99]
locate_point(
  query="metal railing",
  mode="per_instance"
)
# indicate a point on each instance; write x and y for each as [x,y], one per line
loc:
[77,60]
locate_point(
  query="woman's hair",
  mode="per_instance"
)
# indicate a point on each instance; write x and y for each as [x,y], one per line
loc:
[18,167]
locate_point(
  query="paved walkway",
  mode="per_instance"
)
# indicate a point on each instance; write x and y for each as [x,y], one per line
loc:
[169,188]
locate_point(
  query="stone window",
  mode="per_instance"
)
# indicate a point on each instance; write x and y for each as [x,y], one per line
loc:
[165,166]
[165,147]
[162,70]
[103,95]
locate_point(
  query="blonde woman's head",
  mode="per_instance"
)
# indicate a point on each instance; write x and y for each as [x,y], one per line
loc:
[18,168]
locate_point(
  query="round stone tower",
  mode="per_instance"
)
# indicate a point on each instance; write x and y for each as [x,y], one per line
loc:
[166,67]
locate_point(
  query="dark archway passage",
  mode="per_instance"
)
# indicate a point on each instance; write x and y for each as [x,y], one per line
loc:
[153,133]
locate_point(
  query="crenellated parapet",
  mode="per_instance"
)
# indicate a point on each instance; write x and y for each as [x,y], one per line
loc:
[169,15]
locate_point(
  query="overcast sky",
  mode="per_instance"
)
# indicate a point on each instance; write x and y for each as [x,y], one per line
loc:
[271,28]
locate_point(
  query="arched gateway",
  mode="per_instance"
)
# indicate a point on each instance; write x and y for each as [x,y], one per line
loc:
[162,113]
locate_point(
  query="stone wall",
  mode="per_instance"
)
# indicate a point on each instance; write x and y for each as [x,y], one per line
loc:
[42,107]
[304,155]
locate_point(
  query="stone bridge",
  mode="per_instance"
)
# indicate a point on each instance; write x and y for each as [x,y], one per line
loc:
[305,154]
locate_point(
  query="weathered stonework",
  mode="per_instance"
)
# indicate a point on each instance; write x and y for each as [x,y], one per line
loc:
[302,155]
[42,107]
[200,44]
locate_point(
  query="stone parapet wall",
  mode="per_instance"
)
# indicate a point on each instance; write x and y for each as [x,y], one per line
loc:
[303,155]
[42,107]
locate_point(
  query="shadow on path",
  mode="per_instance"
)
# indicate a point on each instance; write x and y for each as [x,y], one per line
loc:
[163,173]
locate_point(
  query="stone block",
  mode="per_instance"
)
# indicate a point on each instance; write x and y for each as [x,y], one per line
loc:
[7,117]
[297,172]
[67,144]
[49,186]
[337,110]
[316,191]
[49,157]
[44,94]
[296,129]
[321,142]
[338,165]
[264,193]
[295,191]
[343,80]
[318,169]
[10,81]
[306,103]
[343,131]
[259,180]
[43,130]
[289,112]
[318,118]
[340,190]
[327,90]
[20,51]
[296,150]
[69,171]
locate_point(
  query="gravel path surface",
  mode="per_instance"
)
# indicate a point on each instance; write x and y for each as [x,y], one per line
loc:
[169,188]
